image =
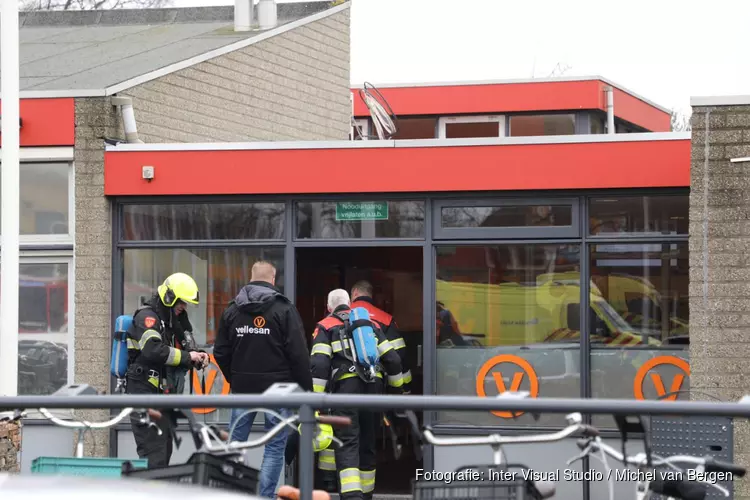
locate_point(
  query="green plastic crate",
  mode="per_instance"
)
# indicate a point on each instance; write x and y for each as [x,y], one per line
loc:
[95,467]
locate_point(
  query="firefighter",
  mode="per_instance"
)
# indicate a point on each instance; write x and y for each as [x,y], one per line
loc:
[151,348]
[334,372]
[362,297]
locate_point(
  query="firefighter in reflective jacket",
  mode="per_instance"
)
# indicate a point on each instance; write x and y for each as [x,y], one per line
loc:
[149,352]
[362,297]
[333,372]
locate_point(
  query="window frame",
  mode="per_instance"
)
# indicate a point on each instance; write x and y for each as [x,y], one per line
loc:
[507,233]
[444,121]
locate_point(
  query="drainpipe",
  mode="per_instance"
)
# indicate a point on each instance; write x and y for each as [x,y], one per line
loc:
[267,14]
[243,15]
[128,118]
[610,110]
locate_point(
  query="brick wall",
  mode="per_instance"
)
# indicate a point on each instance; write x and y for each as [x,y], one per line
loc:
[293,86]
[10,446]
[95,118]
[720,267]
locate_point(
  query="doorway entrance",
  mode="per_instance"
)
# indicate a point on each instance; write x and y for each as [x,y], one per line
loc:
[396,276]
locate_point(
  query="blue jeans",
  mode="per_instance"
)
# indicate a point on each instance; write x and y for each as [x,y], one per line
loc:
[273,454]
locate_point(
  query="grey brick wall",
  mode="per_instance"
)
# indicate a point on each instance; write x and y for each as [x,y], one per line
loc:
[293,86]
[720,293]
[10,446]
[95,118]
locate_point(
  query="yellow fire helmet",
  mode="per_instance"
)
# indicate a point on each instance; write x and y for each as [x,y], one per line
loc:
[323,439]
[178,286]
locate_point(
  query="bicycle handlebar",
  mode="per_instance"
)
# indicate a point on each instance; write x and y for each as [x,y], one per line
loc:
[497,439]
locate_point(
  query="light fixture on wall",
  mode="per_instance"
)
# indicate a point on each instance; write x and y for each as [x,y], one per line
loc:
[740,160]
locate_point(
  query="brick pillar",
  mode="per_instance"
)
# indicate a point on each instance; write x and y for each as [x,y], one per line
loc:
[10,446]
[95,118]
[720,262]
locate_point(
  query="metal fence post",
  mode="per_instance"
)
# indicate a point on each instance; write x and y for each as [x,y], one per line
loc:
[306,462]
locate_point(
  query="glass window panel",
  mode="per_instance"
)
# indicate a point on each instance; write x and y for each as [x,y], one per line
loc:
[533,125]
[504,319]
[413,128]
[476,129]
[204,221]
[597,124]
[45,198]
[360,219]
[42,327]
[645,215]
[219,273]
[640,296]
[507,216]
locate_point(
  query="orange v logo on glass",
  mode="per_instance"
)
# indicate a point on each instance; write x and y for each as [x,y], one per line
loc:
[515,384]
[659,386]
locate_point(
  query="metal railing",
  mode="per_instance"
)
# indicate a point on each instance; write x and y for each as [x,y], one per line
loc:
[309,402]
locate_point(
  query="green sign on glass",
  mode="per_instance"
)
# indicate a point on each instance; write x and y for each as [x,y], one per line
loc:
[361,210]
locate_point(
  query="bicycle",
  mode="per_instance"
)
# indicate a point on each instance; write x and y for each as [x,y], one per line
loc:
[215,452]
[212,446]
[649,480]
[468,482]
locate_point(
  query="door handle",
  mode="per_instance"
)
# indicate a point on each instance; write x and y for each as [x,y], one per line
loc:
[419,355]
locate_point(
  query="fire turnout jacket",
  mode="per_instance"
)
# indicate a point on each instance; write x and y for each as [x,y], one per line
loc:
[329,365]
[386,323]
[149,339]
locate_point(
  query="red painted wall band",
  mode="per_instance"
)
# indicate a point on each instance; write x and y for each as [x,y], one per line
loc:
[644,164]
[46,122]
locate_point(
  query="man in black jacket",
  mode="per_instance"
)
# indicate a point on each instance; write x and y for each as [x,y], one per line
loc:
[261,341]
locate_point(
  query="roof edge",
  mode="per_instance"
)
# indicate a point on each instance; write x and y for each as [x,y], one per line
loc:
[53,94]
[663,109]
[417,143]
[186,63]
[720,100]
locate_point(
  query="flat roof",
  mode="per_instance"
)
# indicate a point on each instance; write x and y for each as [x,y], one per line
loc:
[649,160]
[511,81]
[721,100]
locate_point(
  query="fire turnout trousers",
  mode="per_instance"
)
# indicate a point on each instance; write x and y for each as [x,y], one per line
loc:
[149,444]
[357,456]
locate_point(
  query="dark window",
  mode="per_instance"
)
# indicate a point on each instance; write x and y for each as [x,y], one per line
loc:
[474,129]
[360,219]
[641,294]
[414,128]
[503,310]
[507,216]
[204,221]
[597,124]
[533,125]
[639,214]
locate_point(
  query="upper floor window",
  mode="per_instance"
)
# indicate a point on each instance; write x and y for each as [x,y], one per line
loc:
[46,200]
[534,125]
[416,128]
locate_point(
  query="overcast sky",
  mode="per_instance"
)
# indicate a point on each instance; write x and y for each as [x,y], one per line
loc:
[665,50]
